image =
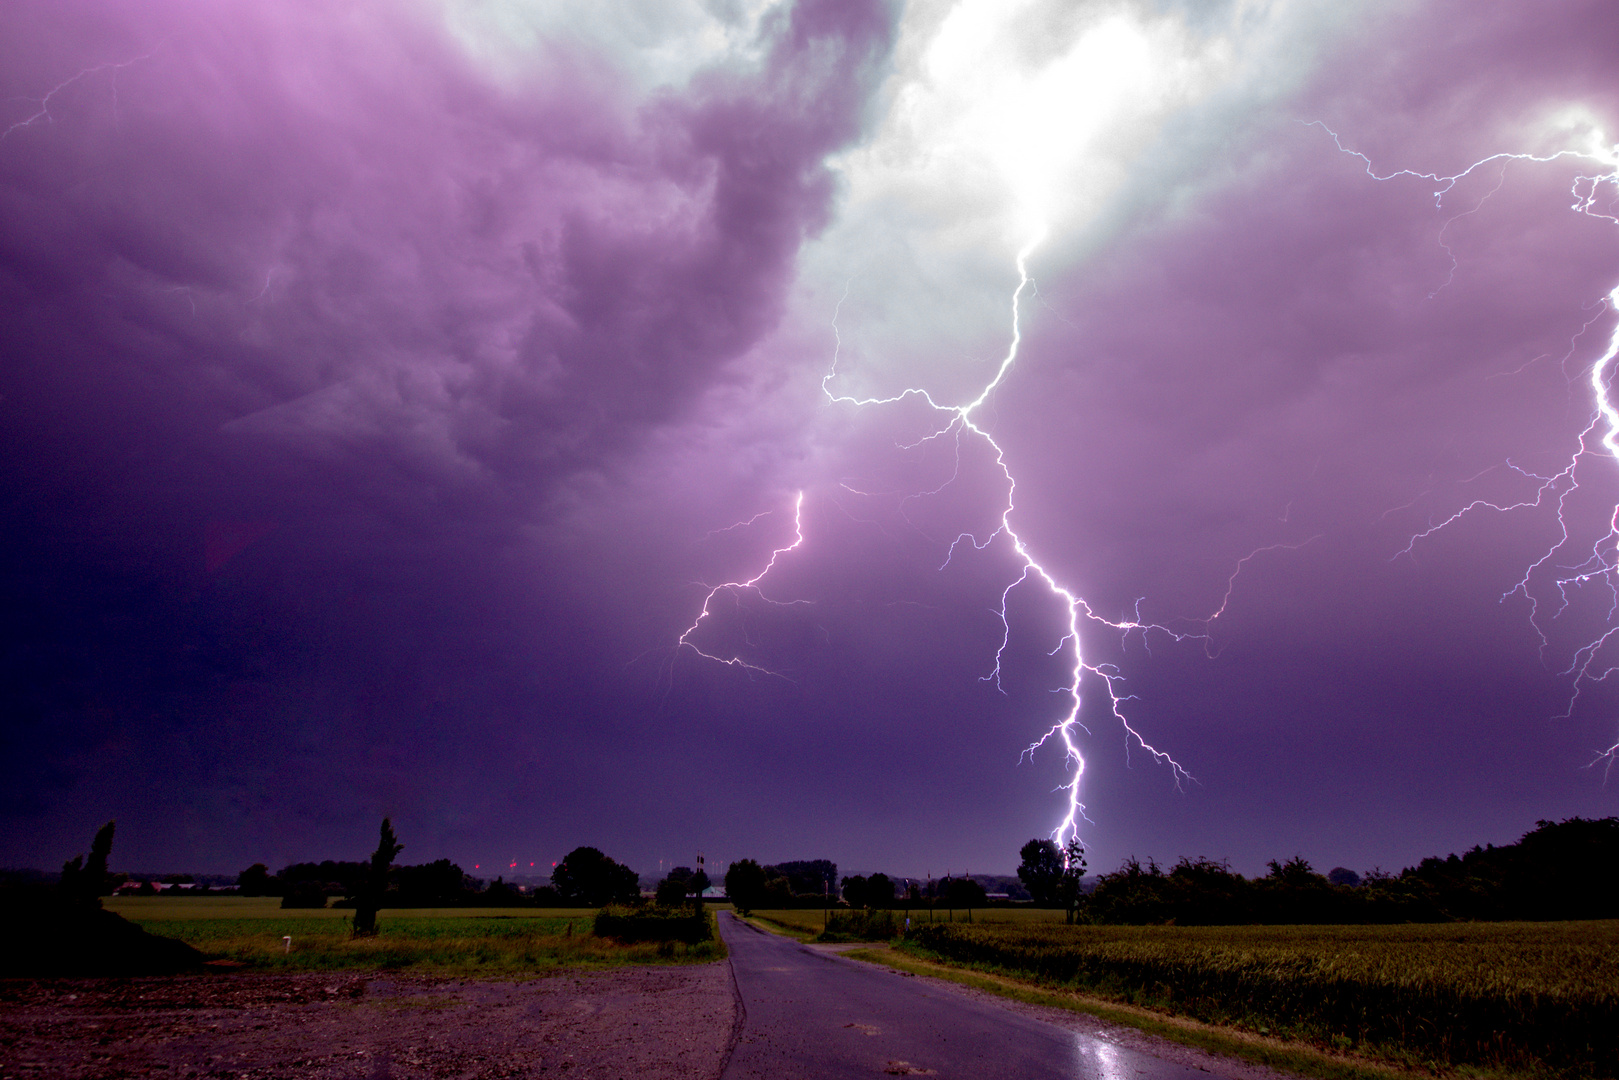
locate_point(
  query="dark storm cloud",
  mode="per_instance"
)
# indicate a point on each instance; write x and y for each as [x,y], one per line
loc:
[307,320]
[335,231]
[372,411]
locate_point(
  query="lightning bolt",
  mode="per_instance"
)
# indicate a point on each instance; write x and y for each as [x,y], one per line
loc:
[43,113]
[1554,491]
[959,421]
[733,589]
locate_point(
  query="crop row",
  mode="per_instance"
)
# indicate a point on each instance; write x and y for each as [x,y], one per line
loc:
[1534,996]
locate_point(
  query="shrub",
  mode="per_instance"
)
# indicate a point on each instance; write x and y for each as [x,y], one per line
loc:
[865,925]
[628,924]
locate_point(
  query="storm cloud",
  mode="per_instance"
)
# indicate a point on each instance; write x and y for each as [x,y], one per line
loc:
[379,388]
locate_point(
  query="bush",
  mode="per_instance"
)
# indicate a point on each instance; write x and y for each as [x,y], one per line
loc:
[867,925]
[653,924]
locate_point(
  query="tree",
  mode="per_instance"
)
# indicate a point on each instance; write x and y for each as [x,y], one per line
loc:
[86,881]
[368,900]
[879,891]
[854,891]
[440,883]
[745,884]
[672,890]
[1069,891]
[586,876]
[1295,872]
[256,881]
[1342,875]
[808,877]
[1041,870]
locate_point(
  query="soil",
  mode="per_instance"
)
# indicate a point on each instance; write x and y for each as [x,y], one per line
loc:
[653,1023]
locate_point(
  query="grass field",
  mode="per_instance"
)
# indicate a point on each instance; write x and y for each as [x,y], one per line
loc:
[490,941]
[1516,998]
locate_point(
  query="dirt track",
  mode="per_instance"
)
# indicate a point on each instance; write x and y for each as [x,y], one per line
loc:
[656,1023]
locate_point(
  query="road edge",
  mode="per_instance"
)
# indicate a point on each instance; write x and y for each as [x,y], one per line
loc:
[1273,1055]
[740,1016]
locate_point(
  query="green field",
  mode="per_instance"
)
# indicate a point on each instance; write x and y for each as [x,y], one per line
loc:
[490,941]
[1530,998]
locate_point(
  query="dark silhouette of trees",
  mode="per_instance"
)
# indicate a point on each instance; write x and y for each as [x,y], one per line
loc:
[62,929]
[333,877]
[745,885]
[879,891]
[808,877]
[368,901]
[256,880]
[854,891]
[673,890]
[440,883]
[85,880]
[1558,870]
[1041,870]
[586,876]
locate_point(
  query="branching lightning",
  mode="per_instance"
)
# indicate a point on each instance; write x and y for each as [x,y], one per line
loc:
[959,422]
[44,115]
[1041,132]
[732,588]
[1600,567]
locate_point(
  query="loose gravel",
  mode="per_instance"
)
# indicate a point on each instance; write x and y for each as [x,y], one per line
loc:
[654,1023]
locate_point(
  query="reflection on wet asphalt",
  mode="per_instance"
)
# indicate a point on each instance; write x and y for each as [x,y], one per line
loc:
[812,1015]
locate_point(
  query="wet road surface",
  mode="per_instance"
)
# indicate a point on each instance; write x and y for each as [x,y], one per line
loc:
[812,1015]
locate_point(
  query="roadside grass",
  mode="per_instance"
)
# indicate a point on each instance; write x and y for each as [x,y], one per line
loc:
[801,923]
[1487,999]
[1288,1057]
[505,942]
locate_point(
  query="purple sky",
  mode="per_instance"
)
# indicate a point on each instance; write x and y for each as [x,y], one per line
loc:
[377,385]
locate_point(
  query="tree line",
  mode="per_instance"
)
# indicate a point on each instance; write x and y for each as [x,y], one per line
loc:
[584,878]
[815,883]
[1558,870]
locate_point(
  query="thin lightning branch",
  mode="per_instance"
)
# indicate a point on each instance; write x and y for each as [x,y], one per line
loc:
[1601,567]
[44,112]
[1451,276]
[732,588]
[737,525]
[1231,585]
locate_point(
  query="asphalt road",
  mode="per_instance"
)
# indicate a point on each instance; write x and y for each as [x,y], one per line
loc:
[813,1015]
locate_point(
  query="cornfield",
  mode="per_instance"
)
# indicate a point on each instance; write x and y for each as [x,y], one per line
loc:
[1536,997]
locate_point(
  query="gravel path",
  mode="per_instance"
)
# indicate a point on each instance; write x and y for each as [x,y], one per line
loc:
[654,1023]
